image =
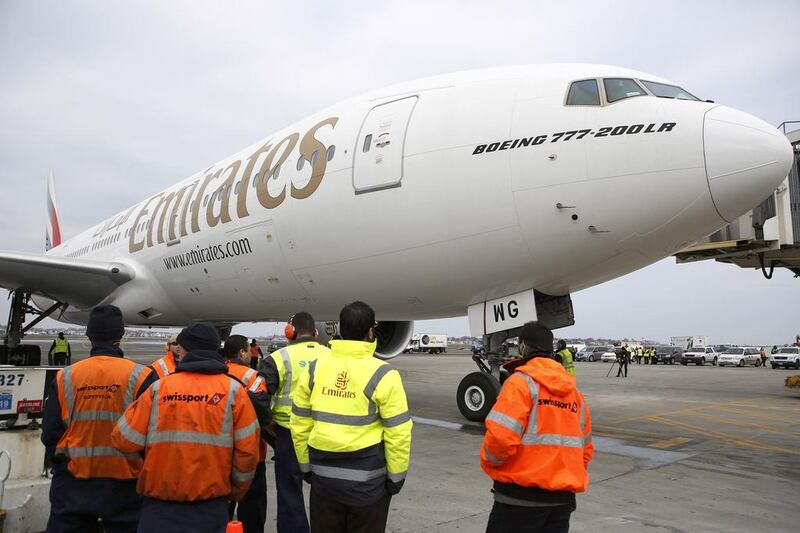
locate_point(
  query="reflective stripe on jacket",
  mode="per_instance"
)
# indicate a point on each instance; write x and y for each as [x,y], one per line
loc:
[62,345]
[291,362]
[539,432]
[566,360]
[200,436]
[93,394]
[255,384]
[165,366]
[350,424]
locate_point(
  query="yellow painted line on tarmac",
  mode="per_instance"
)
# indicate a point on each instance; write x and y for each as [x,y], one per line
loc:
[757,414]
[761,427]
[731,439]
[615,429]
[617,436]
[759,405]
[670,443]
[669,413]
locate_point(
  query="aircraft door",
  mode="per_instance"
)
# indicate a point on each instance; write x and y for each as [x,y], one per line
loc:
[378,155]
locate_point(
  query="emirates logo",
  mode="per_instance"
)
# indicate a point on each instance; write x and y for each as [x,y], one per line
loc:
[342,380]
[214,400]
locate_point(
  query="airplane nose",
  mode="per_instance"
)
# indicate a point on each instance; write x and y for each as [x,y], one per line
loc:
[746,160]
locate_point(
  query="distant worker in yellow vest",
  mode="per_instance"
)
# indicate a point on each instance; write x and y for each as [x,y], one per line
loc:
[352,430]
[566,356]
[282,370]
[166,365]
[60,353]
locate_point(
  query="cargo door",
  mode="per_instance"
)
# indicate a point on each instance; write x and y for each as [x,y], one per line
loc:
[378,155]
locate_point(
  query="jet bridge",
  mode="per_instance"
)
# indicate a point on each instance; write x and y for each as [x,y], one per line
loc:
[766,237]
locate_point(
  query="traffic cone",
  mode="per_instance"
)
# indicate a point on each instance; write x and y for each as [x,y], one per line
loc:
[234,526]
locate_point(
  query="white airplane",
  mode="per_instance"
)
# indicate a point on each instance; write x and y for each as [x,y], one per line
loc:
[494,192]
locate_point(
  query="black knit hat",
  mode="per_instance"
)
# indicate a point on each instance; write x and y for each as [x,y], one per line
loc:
[200,336]
[537,338]
[105,322]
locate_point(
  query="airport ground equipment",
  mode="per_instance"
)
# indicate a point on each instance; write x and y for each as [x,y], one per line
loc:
[766,237]
[12,351]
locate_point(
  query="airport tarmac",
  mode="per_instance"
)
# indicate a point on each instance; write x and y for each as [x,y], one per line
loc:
[679,449]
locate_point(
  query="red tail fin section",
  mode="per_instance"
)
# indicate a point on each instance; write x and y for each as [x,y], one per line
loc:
[53,237]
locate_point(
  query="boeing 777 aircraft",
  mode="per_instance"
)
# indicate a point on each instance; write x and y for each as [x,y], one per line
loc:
[495,193]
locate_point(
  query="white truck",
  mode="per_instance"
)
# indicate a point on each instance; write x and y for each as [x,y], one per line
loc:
[690,341]
[431,343]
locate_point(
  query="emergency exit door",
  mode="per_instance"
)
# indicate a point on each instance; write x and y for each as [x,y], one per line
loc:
[378,159]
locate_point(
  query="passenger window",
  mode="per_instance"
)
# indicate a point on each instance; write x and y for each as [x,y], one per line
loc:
[276,172]
[367,143]
[330,152]
[621,88]
[314,157]
[300,162]
[583,93]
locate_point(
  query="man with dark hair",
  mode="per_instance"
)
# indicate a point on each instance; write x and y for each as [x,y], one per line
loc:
[538,441]
[255,354]
[350,416]
[623,359]
[566,356]
[199,434]
[91,479]
[252,508]
[282,370]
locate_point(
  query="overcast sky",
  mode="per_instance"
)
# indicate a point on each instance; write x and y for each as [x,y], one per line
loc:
[123,99]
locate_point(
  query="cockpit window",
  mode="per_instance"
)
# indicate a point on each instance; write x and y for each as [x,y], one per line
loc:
[662,90]
[583,93]
[619,88]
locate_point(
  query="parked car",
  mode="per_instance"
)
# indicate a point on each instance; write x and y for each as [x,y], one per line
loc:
[740,356]
[668,354]
[786,357]
[591,353]
[699,355]
[277,345]
[609,356]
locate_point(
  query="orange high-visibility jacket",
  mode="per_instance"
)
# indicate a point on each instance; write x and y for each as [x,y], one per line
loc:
[539,433]
[256,384]
[200,436]
[165,366]
[93,394]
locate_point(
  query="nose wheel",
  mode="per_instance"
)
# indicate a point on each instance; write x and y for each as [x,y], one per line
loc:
[476,395]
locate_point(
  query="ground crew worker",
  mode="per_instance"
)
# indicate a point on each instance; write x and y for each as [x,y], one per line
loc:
[199,434]
[538,441]
[623,358]
[255,354]
[60,353]
[91,479]
[166,365]
[352,430]
[566,356]
[282,370]
[252,508]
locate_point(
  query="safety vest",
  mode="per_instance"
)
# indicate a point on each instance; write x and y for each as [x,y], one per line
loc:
[566,360]
[62,346]
[254,383]
[254,351]
[165,366]
[93,394]
[539,432]
[200,436]
[352,402]
[291,362]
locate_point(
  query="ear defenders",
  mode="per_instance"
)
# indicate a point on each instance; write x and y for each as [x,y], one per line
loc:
[289,332]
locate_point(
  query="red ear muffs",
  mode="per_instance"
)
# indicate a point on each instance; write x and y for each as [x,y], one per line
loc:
[289,331]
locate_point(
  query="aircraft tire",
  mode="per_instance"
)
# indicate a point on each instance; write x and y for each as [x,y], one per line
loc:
[476,395]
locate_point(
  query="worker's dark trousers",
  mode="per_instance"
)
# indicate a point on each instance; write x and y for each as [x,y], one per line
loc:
[76,504]
[623,367]
[206,516]
[517,519]
[251,511]
[330,516]
[60,359]
[289,485]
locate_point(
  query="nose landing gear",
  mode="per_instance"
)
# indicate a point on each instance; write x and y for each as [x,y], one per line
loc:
[13,352]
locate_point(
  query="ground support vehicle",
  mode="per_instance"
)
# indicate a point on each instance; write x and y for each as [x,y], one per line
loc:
[788,357]
[699,355]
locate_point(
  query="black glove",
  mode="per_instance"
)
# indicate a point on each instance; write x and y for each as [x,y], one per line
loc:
[393,488]
[307,477]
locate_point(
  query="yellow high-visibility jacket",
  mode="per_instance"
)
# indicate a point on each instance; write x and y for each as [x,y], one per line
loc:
[351,426]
